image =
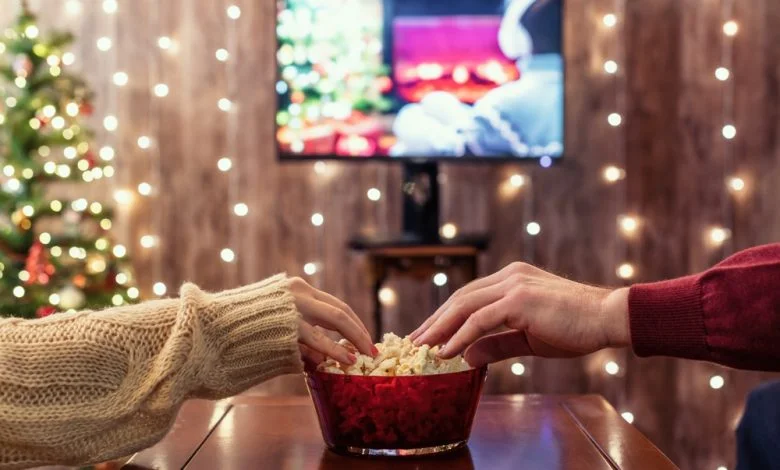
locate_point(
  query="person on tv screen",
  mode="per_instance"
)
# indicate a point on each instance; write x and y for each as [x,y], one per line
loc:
[519,118]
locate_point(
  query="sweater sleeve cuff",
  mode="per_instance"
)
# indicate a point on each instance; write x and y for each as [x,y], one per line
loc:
[666,319]
[256,328]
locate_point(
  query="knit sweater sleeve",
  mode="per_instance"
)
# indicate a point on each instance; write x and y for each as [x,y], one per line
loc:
[729,314]
[92,386]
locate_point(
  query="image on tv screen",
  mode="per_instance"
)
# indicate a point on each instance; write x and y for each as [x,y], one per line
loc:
[443,79]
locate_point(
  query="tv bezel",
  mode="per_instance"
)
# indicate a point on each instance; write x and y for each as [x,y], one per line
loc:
[288,157]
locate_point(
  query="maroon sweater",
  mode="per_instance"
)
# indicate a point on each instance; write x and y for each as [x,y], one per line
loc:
[729,314]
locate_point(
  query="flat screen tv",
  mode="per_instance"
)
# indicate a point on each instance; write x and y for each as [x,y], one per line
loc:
[438,80]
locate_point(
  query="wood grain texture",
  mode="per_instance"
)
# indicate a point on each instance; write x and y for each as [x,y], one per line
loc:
[544,432]
[676,163]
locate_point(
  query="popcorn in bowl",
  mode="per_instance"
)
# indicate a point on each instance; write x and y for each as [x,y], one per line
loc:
[404,402]
[397,357]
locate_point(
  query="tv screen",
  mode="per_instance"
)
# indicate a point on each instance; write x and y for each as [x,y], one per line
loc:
[430,79]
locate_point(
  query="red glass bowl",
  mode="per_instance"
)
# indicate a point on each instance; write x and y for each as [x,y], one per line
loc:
[396,416]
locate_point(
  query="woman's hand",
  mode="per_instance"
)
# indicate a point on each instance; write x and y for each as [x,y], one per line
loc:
[547,316]
[319,311]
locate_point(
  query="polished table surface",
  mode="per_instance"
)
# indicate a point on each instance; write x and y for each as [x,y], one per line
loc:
[545,432]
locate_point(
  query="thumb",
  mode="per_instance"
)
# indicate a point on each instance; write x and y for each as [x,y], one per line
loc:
[500,346]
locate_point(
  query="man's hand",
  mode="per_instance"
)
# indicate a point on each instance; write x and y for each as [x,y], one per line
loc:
[546,316]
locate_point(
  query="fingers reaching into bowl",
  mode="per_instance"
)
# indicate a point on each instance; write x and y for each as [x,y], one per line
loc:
[321,311]
[549,315]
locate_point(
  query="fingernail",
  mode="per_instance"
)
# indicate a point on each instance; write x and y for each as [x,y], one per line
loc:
[352,358]
[374,350]
[442,351]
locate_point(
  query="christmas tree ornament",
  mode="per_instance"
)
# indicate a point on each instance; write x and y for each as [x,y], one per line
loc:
[71,297]
[22,66]
[44,311]
[86,109]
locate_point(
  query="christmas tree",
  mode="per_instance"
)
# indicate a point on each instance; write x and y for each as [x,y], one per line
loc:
[332,78]
[55,254]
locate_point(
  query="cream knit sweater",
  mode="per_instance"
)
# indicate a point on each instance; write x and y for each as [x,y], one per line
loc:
[92,386]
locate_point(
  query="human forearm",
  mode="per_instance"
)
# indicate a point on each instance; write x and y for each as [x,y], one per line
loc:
[92,386]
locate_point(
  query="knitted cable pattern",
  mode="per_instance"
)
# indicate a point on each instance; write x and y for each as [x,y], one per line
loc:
[93,386]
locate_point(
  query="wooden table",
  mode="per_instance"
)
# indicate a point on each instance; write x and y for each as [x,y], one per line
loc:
[529,432]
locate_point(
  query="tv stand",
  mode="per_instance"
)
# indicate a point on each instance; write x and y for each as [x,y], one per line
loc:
[420,188]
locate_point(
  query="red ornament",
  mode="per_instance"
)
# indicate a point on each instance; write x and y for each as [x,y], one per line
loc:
[86,108]
[38,265]
[79,280]
[90,159]
[44,311]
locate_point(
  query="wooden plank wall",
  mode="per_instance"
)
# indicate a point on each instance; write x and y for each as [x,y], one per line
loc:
[676,165]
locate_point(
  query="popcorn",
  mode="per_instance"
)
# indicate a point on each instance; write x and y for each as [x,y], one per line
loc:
[397,357]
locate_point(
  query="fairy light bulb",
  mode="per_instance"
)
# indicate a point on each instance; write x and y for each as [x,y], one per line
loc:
[374,194]
[133,293]
[449,231]
[120,78]
[730,28]
[612,174]
[123,197]
[609,20]
[144,189]
[73,7]
[628,224]
[533,228]
[320,168]
[387,296]
[611,67]
[625,271]
[233,12]
[104,43]
[164,42]
[718,235]
[717,382]
[144,142]
[224,164]
[54,299]
[729,131]
[614,119]
[28,211]
[222,54]
[159,289]
[628,416]
[611,368]
[110,123]
[68,58]
[58,122]
[440,279]
[722,74]
[45,238]
[18,292]
[161,90]
[148,241]
[317,219]
[119,251]
[736,184]
[224,104]
[517,180]
[24,276]
[227,255]
[110,6]
[107,153]
[310,269]
[241,209]
[117,300]
[31,31]
[518,368]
